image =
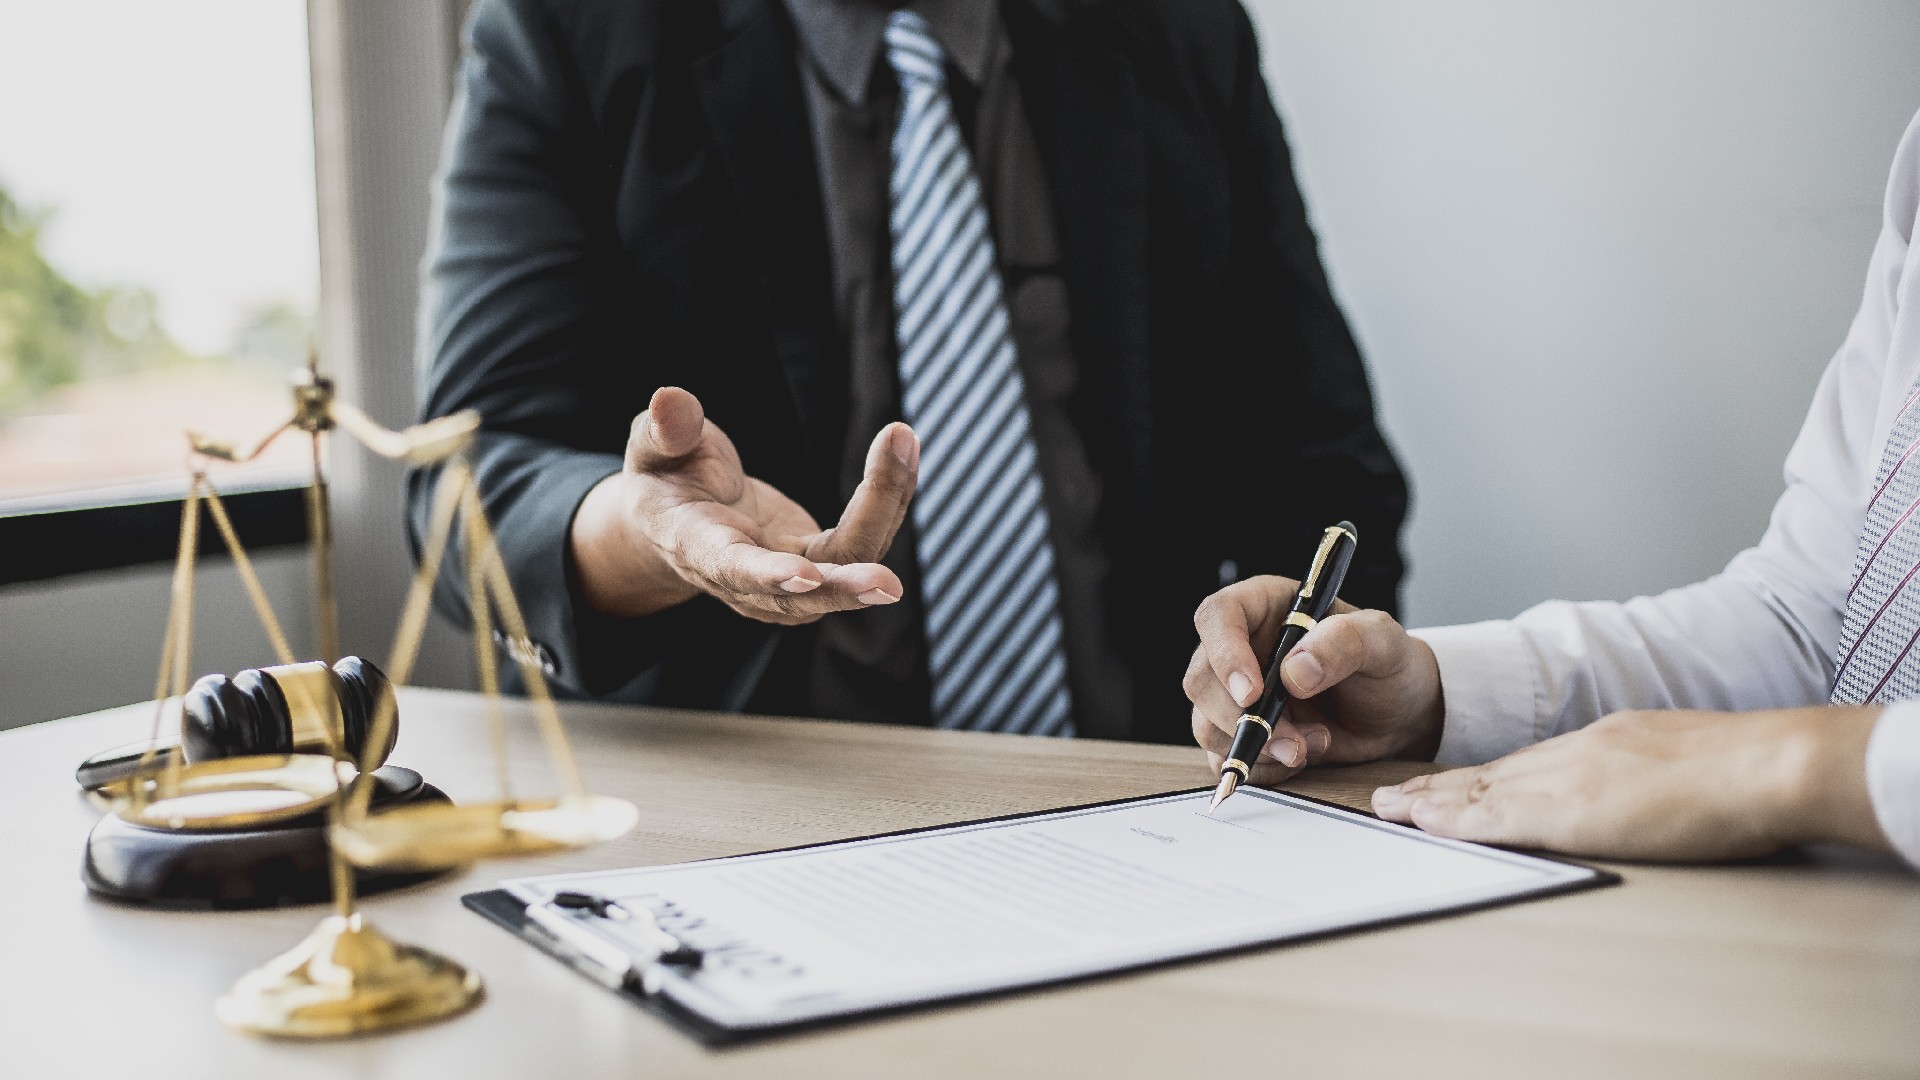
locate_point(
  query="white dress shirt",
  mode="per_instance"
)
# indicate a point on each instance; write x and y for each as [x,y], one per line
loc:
[1761,634]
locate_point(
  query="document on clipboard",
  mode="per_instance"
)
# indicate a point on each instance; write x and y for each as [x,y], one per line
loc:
[811,934]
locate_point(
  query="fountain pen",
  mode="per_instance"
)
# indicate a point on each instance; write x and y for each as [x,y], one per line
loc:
[1311,604]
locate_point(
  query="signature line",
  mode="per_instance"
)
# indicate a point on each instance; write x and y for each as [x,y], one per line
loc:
[1233,824]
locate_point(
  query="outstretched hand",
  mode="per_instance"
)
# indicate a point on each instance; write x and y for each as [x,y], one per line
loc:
[683,518]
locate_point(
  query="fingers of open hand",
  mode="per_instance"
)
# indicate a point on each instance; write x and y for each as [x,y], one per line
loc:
[857,585]
[1230,623]
[1394,802]
[879,505]
[668,431]
[841,588]
[730,566]
[844,588]
[1483,803]
[714,547]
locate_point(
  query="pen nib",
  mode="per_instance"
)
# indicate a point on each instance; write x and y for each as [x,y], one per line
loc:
[1229,780]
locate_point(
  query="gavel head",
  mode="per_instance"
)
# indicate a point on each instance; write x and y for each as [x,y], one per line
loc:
[291,709]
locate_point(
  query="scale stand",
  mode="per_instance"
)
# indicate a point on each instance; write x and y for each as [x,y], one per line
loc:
[347,977]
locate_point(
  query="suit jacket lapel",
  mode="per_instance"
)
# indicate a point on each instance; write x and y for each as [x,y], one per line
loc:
[1084,104]
[750,88]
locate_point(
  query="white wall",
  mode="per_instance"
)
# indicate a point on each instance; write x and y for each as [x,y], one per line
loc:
[1597,254]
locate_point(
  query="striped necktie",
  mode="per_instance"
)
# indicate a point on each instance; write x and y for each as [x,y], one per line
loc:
[1876,662]
[994,643]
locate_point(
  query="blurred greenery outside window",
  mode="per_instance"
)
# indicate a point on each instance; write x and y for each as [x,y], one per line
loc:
[155,177]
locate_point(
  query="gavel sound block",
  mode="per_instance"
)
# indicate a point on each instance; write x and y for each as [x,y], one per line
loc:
[230,849]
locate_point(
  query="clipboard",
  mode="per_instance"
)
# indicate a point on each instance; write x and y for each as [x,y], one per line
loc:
[509,910]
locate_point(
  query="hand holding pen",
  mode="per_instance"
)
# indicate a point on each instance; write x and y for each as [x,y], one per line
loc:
[1312,601]
[1361,688]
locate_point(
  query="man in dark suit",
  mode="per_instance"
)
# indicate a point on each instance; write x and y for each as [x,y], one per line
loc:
[1059,239]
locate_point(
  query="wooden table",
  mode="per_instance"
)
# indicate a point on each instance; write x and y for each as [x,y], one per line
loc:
[1807,966]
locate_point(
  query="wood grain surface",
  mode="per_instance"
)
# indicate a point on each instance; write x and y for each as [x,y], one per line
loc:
[1807,965]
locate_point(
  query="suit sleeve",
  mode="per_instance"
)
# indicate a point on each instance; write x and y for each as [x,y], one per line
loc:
[517,323]
[1338,463]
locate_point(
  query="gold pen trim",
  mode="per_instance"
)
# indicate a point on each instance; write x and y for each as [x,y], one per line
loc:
[1327,540]
[1236,765]
[1261,720]
[1302,620]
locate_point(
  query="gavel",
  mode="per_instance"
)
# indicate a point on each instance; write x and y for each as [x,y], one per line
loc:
[305,708]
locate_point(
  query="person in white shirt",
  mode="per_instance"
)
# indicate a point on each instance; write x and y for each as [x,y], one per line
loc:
[1776,703]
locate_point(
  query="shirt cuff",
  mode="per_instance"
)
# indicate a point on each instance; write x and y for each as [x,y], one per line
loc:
[1893,777]
[1487,682]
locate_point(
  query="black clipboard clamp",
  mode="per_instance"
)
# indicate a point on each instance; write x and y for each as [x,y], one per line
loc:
[583,952]
[639,964]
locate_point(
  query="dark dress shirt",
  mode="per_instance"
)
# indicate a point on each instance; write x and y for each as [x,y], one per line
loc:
[873,664]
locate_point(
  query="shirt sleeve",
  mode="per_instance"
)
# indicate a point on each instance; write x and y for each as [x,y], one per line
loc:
[1491,702]
[1761,634]
[1893,778]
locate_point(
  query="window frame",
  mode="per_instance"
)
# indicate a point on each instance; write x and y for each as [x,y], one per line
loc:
[62,540]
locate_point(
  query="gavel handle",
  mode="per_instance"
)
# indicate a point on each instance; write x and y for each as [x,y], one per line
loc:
[120,762]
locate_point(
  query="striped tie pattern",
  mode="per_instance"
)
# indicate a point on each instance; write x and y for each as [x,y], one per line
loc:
[1876,661]
[995,649]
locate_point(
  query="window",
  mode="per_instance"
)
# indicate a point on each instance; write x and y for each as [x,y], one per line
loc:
[158,254]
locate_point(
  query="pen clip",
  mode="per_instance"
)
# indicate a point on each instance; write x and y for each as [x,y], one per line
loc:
[1327,540]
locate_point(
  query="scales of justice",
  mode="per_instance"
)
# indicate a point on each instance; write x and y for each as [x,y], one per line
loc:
[347,977]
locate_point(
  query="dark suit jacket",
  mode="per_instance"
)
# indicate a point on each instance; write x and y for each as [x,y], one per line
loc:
[631,201]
